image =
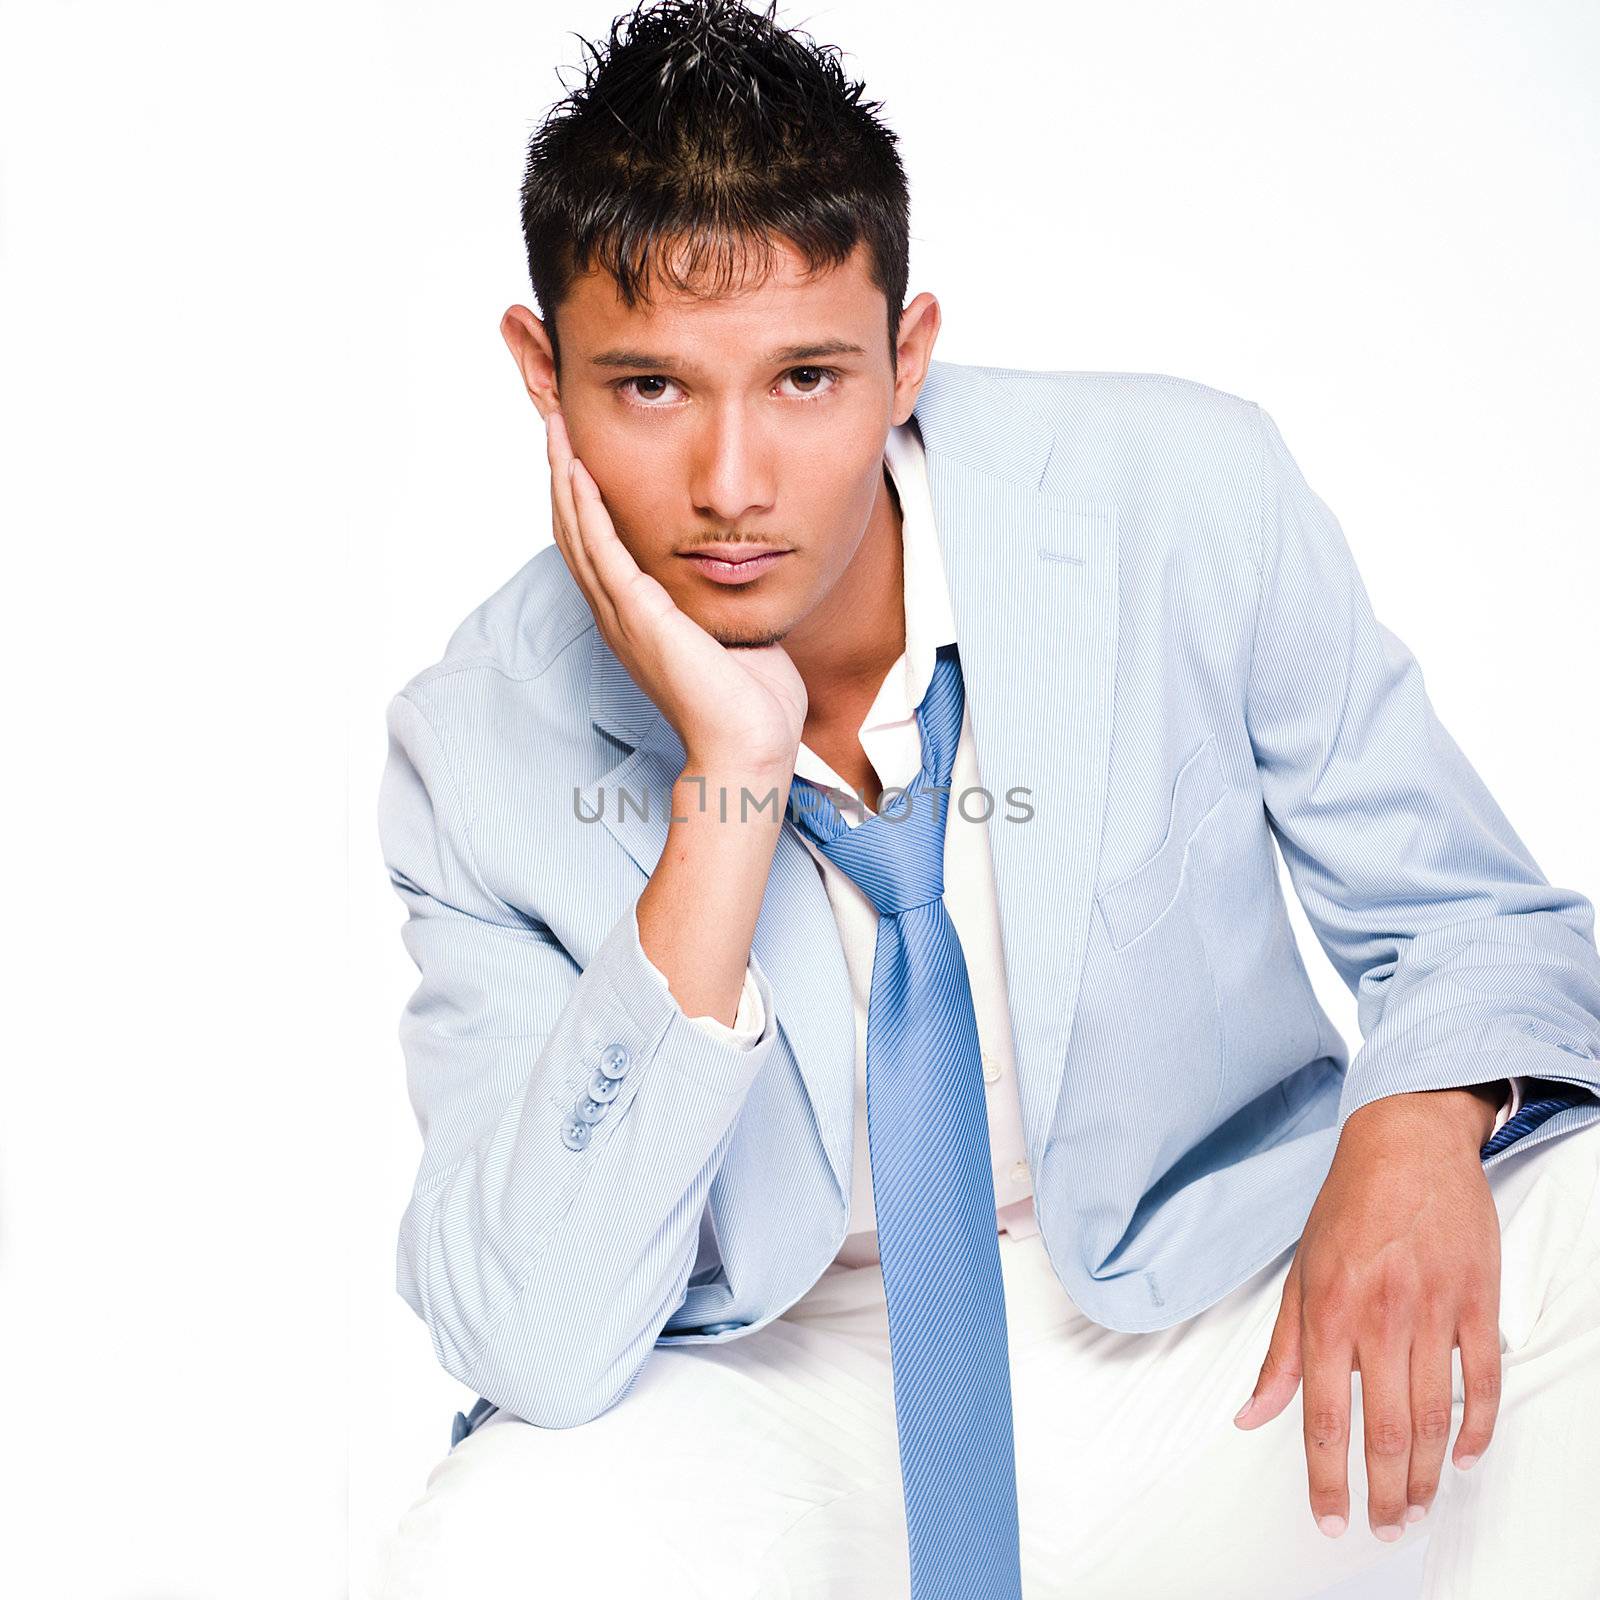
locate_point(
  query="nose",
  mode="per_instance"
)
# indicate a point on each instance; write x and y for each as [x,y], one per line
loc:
[732,477]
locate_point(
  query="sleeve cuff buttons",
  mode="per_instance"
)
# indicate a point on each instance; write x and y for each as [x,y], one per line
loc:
[601,1090]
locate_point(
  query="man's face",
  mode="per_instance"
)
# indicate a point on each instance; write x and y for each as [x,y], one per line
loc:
[754,421]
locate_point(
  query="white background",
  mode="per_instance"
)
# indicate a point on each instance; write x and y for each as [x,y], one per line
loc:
[264,448]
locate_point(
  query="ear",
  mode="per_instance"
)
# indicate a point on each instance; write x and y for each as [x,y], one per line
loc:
[528,340]
[919,328]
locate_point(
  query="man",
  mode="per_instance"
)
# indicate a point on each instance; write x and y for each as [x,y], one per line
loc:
[877,1124]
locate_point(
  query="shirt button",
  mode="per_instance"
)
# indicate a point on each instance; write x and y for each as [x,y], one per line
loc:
[575,1134]
[991,1068]
[1019,1172]
[615,1060]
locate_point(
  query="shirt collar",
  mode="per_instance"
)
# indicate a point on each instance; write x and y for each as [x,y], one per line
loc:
[929,622]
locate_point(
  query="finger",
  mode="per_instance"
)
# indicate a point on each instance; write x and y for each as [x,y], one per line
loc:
[613,561]
[1279,1376]
[563,516]
[1326,1353]
[1384,1352]
[1430,1414]
[1479,1338]
[560,517]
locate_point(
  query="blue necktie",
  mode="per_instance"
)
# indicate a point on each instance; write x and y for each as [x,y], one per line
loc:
[928,1139]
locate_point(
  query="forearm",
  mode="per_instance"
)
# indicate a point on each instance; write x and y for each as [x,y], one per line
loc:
[697,915]
[547,1256]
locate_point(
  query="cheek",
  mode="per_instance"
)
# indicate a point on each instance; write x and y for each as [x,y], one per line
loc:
[642,520]
[838,484]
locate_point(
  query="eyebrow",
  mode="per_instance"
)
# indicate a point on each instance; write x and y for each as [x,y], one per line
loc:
[789,353]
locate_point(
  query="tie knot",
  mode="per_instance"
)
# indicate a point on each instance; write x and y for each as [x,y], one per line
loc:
[896,858]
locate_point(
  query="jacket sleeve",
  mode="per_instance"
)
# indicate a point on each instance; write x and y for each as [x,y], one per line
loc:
[572,1120]
[1467,965]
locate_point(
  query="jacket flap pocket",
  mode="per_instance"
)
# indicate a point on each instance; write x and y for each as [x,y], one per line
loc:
[1138,898]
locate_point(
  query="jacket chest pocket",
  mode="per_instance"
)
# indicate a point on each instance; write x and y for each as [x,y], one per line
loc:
[1166,996]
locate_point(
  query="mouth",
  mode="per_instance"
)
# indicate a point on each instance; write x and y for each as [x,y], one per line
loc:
[736,569]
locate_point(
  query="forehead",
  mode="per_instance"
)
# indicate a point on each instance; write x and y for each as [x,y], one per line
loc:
[759,306]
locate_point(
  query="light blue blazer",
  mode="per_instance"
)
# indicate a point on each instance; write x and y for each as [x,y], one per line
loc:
[1164,639]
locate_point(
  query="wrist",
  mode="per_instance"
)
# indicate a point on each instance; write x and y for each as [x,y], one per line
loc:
[1468,1112]
[739,759]
[728,792]
[1480,1105]
[1471,1108]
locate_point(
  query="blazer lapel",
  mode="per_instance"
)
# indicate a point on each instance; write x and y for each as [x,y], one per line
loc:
[1032,572]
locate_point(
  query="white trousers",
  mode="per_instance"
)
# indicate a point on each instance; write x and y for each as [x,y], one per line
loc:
[767,1468]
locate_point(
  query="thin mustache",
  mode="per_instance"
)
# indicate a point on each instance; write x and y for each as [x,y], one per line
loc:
[734,544]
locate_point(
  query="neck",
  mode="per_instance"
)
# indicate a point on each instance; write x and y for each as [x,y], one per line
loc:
[858,631]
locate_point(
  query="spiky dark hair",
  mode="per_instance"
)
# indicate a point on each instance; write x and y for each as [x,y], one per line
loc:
[705,126]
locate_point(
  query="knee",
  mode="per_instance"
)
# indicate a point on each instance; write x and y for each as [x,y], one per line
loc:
[514,1512]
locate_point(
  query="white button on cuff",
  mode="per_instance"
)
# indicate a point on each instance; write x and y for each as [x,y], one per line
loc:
[991,1069]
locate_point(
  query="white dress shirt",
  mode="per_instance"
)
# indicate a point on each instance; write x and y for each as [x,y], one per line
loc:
[891,742]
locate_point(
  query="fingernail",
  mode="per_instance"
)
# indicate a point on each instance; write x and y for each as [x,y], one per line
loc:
[1239,1415]
[1389,1532]
[1331,1525]
[1463,1462]
[1416,1513]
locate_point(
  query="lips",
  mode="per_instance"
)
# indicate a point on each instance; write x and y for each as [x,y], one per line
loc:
[735,552]
[734,564]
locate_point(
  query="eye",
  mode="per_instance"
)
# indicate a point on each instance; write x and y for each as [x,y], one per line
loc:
[626,386]
[646,391]
[811,373]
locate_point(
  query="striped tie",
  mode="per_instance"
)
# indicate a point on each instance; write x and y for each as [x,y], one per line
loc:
[928,1139]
